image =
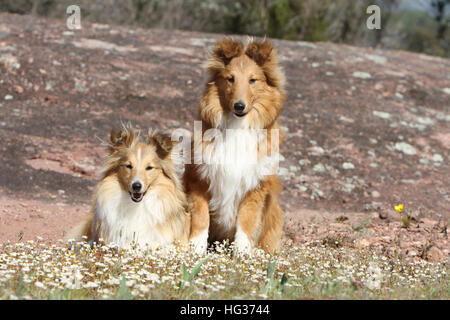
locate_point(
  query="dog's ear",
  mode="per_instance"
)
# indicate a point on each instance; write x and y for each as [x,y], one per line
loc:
[224,51]
[120,138]
[261,52]
[163,143]
[227,49]
[264,54]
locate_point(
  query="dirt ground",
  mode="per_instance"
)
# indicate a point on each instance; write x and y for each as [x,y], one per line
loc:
[365,129]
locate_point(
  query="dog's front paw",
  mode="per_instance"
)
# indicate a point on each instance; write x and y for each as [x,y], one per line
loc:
[199,247]
[242,244]
[199,244]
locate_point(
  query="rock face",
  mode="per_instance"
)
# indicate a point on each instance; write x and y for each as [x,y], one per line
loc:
[365,129]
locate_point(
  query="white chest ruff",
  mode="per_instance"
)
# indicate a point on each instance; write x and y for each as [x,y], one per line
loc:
[232,168]
[123,220]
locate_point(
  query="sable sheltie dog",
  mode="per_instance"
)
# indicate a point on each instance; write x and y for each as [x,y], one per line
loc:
[230,197]
[139,197]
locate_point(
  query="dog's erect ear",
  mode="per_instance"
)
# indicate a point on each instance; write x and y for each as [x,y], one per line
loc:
[163,143]
[120,138]
[224,51]
[264,54]
[261,52]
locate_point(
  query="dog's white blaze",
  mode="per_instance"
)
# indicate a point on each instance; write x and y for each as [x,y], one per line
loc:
[232,168]
[137,178]
[127,220]
[139,155]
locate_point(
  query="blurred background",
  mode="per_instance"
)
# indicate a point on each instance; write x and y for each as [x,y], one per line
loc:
[412,25]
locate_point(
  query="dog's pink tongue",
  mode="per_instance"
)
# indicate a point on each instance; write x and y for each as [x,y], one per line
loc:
[137,195]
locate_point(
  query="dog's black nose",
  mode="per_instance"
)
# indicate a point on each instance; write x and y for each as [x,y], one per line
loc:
[239,106]
[136,186]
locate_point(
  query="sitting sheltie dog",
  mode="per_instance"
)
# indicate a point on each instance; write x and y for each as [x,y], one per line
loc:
[139,198]
[229,196]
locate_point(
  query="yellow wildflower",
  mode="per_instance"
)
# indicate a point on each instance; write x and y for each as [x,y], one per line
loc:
[399,208]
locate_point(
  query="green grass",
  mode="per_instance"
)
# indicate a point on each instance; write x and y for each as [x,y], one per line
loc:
[39,270]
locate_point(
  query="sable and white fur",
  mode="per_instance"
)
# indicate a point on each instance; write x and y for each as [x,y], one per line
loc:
[156,216]
[233,193]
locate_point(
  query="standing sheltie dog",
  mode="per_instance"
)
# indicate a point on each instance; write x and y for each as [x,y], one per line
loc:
[139,198]
[229,196]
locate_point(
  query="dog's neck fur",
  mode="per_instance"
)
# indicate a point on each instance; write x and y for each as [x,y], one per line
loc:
[232,167]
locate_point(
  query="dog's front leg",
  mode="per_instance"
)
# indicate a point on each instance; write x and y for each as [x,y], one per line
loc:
[199,208]
[248,223]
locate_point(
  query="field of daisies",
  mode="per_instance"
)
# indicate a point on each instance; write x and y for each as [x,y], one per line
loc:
[69,270]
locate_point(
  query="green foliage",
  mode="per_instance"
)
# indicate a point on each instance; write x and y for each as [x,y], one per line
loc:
[285,19]
[189,276]
[21,286]
[423,40]
[310,20]
[281,14]
[416,31]
[58,295]
[124,292]
[274,285]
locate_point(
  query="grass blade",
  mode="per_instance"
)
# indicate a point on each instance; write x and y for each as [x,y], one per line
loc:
[124,293]
[196,269]
[271,270]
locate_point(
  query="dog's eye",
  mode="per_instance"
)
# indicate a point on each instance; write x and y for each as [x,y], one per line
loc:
[252,81]
[129,166]
[230,80]
[149,168]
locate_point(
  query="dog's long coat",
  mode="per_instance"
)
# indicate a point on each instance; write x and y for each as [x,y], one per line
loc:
[233,193]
